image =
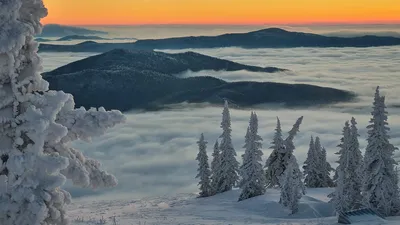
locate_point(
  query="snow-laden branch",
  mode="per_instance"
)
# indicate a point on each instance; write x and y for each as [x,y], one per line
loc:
[36,127]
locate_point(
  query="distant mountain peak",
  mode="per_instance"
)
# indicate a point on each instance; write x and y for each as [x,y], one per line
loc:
[272,30]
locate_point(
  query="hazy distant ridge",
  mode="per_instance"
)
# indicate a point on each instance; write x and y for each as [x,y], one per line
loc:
[267,38]
[55,30]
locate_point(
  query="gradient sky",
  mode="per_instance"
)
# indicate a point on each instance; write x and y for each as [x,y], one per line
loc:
[129,12]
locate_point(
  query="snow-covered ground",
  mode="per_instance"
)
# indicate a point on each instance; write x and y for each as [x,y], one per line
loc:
[222,209]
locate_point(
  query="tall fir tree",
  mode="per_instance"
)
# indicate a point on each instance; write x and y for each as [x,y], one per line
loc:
[380,189]
[229,165]
[274,164]
[347,195]
[245,154]
[252,170]
[292,186]
[312,170]
[321,166]
[326,170]
[281,153]
[289,144]
[215,168]
[204,172]
[356,154]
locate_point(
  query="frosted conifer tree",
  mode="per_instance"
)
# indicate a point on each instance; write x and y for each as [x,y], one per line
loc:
[344,148]
[289,140]
[241,170]
[355,150]
[292,186]
[347,195]
[36,125]
[380,190]
[281,153]
[253,183]
[326,169]
[204,172]
[312,170]
[215,168]
[274,163]
[229,165]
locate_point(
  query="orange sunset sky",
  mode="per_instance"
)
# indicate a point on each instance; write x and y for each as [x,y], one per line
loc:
[130,12]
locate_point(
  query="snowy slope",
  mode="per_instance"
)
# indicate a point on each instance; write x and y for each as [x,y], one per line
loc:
[220,209]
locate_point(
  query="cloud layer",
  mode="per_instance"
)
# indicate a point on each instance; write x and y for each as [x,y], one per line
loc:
[153,153]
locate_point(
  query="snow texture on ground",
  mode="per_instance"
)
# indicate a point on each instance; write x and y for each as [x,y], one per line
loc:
[222,209]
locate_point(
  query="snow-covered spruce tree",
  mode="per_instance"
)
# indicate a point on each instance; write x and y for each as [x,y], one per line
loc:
[215,168]
[247,142]
[204,169]
[229,165]
[355,151]
[326,170]
[274,164]
[321,164]
[292,134]
[281,153]
[380,190]
[347,195]
[344,146]
[252,169]
[312,170]
[292,186]
[37,125]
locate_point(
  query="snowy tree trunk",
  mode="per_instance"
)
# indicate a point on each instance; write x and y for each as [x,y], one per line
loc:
[253,183]
[204,169]
[36,126]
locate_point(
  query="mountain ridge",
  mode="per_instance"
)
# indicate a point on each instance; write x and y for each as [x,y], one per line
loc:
[57,30]
[149,80]
[265,38]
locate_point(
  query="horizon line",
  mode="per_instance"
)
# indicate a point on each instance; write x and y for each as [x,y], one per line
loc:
[240,24]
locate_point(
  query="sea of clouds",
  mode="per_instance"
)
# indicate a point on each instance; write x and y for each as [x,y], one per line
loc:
[153,153]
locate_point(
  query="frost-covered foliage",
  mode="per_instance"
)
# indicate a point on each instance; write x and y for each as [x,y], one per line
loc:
[215,167]
[36,127]
[317,169]
[347,195]
[229,165]
[312,170]
[380,190]
[246,144]
[274,163]
[292,185]
[292,133]
[281,153]
[204,172]
[355,150]
[253,183]
[326,170]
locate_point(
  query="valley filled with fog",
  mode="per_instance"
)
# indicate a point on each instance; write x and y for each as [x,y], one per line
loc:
[157,150]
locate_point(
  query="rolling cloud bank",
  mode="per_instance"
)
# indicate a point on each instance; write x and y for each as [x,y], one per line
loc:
[154,152]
